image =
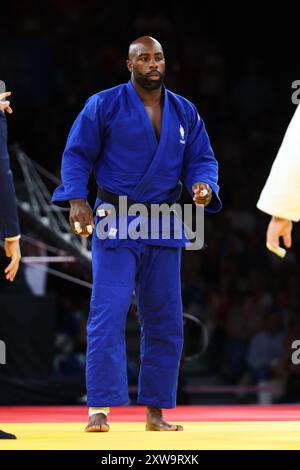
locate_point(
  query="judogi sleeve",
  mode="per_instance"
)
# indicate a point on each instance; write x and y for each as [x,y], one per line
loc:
[82,149]
[281,194]
[200,164]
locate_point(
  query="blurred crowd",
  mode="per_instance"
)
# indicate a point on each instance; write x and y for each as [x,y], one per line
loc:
[54,57]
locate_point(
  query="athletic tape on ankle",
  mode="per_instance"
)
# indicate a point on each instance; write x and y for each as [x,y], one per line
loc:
[93,410]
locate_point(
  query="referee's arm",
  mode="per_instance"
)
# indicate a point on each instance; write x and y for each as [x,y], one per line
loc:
[9,221]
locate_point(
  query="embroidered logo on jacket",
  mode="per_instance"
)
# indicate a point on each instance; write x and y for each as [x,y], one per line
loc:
[181,130]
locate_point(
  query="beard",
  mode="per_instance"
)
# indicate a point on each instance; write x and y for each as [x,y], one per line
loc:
[145,81]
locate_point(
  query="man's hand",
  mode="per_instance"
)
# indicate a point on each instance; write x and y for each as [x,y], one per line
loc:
[202,193]
[81,217]
[12,250]
[5,105]
[279,228]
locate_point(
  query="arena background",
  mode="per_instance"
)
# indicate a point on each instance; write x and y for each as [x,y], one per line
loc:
[238,67]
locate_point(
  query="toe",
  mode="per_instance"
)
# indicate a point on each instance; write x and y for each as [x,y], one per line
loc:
[164,427]
[172,427]
[104,428]
[92,428]
[97,428]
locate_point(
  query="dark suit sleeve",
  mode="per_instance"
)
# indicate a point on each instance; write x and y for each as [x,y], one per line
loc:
[9,222]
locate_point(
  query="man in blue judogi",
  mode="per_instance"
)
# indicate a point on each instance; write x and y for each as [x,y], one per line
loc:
[141,141]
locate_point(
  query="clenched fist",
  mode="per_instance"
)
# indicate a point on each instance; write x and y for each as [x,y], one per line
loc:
[81,217]
[202,193]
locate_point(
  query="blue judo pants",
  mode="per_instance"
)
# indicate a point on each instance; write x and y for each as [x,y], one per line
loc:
[154,273]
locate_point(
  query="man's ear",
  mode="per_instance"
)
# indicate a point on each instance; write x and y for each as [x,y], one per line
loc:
[129,65]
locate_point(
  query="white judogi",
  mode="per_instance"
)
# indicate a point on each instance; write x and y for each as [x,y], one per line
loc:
[281,194]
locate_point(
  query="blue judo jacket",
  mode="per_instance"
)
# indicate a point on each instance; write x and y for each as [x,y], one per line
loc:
[114,137]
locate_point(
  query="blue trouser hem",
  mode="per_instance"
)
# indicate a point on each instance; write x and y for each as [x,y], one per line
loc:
[154,403]
[107,403]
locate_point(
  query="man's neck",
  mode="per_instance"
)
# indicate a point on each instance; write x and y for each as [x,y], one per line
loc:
[148,96]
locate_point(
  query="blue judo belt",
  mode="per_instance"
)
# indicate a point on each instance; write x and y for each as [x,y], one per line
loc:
[113,199]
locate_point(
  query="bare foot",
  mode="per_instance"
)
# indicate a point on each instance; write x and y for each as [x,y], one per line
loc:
[97,423]
[156,422]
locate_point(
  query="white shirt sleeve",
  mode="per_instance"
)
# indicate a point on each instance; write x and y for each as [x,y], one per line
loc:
[12,239]
[281,194]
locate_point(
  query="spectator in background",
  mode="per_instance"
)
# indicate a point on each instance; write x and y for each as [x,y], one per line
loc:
[70,342]
[36,273]
[241,323]
[265,351]
[289,370]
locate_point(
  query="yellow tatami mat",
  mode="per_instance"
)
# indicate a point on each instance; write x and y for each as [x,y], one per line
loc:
[261,435]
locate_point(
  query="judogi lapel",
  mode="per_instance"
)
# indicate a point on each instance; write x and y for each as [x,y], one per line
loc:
[158,148]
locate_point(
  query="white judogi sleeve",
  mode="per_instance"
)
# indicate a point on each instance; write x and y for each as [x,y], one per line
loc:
[281,194]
